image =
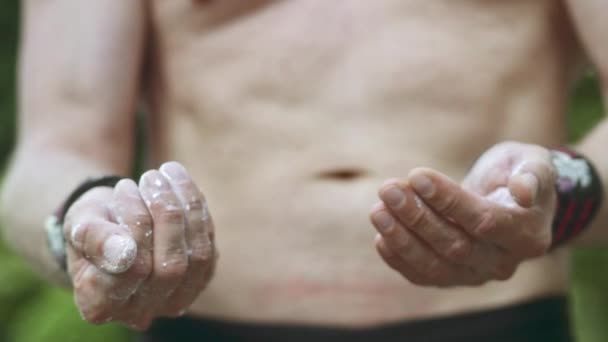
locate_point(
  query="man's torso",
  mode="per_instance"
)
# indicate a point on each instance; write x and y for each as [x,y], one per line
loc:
[290,114]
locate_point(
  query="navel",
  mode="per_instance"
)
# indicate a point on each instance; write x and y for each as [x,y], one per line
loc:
[342,174]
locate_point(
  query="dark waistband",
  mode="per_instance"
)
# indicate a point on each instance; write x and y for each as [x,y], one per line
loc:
[545,319]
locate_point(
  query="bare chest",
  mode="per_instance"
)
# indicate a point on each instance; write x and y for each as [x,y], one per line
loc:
[277,74]
[307,50]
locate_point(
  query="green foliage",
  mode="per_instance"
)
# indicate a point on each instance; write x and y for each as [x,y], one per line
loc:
[17,285]
[586,108]
[49,317]
[589,296]
[590,299]
[8,47]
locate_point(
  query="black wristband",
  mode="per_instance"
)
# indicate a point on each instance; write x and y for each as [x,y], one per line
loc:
[579,195]
[54,223]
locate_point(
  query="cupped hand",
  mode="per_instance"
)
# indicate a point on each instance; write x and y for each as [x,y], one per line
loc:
[436,232]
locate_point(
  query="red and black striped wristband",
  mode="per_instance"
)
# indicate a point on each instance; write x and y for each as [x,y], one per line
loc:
[579,194]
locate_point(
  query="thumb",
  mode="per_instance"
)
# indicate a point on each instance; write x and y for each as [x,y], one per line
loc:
[88,231]
[107,245]
[532,183]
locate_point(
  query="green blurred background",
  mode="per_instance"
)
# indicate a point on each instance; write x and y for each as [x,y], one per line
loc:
[31,311]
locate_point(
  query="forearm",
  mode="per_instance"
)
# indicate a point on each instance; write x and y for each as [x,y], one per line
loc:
[38,181]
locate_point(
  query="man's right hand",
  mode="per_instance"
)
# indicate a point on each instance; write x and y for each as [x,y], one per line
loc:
[137,252]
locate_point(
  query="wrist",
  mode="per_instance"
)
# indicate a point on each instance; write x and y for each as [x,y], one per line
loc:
[579,194]
[54,223]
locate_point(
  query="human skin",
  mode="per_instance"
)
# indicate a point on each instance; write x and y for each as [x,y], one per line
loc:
[291,118]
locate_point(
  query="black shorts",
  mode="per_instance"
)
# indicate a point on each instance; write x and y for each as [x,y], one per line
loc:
[545,319]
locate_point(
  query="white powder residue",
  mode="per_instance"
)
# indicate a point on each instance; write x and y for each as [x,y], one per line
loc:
[119,253]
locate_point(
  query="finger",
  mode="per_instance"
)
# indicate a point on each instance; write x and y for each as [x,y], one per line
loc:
[448,198]
[115,287]
[198,221]
[462,276]
[90,291]
[129,210]
[533,183]
[443,236]
[408,247]
[107,245]
[198,239]
[465,276]
[170,261]
[487,219]
[396,263]
[517,231]
[136,317]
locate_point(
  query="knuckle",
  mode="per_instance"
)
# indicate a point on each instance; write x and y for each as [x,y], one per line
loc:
[459,251]
[124,291]
[402,245]
[195,202]
[172,215]
[141,269]
[86,227]
[143,219]
[77,232]
[448,203]
[172,270]
[486,225]
[201,256]
[418,220]
[435,271]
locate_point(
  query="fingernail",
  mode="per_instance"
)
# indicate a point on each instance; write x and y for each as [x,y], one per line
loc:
[531,182]
[77,235]
[119,253]
[173,171]
[384,221]
[423,185]
[394,197]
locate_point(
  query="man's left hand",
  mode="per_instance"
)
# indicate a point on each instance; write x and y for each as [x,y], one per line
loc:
[436,232]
